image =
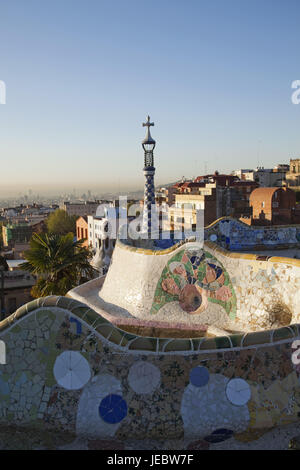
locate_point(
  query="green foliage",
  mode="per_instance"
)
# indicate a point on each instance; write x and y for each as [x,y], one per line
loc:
[59,262]
[61,222]
[1,236]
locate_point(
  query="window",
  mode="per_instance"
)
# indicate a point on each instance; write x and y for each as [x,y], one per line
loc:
[263,204]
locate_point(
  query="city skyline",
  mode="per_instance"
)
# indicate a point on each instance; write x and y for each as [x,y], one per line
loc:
[216,78]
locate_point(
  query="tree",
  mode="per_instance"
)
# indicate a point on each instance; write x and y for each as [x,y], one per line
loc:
[61,222]
[59,262]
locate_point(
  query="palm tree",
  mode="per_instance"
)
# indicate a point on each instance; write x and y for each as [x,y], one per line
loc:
[59,262]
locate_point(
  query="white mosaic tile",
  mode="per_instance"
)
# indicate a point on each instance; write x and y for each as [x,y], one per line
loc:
[88,420]
[144,377]
[206,409]
[71,370]
[238,391]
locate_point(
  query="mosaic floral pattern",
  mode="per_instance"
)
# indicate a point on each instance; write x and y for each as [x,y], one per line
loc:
[195,278]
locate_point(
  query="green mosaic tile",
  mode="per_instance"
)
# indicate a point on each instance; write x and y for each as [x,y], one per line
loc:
[295,329]
[236,340]
[124,341]
[80,311]
[178,345]
[259,337]
[50,301]
[116,336]
[63,302]
[222,342]
[283,333]
[162,342]
[105,330]
[72,303]
[196,343]
[143,344]
[89,316]
[208,343]
[130,336]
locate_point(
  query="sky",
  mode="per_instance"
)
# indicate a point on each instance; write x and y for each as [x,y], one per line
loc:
[81,77]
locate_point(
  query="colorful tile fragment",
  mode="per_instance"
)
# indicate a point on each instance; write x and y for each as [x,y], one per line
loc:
[194,278]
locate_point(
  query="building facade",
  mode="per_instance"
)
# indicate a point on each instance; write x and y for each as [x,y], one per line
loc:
[293,176]
[216,195]
[265,177]
[80,208]
[273,206]
[101,232]
[82,230]
[17,290]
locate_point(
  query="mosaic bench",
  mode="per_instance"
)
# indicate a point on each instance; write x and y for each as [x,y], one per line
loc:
[71,373]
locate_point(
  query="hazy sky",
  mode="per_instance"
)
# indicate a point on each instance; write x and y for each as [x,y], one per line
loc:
[81,76]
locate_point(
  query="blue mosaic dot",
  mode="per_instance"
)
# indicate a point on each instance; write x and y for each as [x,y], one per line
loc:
[113,409]
[199,376]
[78,325]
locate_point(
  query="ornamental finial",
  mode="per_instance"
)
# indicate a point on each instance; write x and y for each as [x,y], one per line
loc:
[148,123]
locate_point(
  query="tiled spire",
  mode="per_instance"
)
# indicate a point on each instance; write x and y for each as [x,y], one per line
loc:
[149,214]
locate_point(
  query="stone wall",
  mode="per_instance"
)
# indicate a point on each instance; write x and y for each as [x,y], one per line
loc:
[70,374]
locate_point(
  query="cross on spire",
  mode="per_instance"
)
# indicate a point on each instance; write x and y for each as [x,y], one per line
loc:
[148,123]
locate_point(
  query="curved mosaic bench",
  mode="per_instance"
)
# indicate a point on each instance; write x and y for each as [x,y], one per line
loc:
[235,235]
[200,286]
[71,371]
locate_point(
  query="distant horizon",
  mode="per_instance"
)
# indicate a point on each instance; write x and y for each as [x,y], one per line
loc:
[98,190]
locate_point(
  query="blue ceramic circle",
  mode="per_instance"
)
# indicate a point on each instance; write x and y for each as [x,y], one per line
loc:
[199,376]
[112,409]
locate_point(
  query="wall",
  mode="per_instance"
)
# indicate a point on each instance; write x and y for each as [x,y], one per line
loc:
[237,236]
[69,373]
[202,286]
